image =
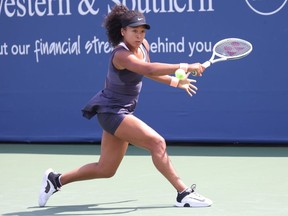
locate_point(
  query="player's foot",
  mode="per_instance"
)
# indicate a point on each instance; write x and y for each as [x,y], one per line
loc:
[189,198]
[48,187]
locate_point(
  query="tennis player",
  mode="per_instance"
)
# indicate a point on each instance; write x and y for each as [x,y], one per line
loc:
[115,104]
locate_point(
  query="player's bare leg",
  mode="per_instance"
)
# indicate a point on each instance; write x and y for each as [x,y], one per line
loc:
[112,152]
[140,134]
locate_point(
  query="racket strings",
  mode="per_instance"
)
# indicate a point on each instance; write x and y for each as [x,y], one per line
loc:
[232,48]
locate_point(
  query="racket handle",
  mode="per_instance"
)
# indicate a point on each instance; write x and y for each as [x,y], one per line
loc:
[206,64]
[193,73]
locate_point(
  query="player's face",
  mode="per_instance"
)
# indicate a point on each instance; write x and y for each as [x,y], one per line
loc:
[134,35]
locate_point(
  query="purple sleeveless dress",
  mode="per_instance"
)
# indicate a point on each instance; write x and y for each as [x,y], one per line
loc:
[119,96]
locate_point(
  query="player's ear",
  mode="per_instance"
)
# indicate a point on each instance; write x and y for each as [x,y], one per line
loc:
[122,32]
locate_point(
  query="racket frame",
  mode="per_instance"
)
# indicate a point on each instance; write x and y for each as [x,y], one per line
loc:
[221,57]
[212,60]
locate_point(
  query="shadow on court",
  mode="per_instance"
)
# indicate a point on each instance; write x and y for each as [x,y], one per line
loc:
[89,209]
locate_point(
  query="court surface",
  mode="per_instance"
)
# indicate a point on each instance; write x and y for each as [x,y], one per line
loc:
[242,181]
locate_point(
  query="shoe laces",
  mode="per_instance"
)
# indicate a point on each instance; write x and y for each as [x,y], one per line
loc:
[194,193]
[191,189]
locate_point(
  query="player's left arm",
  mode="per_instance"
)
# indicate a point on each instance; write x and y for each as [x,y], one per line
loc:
[185,84]
[166,79]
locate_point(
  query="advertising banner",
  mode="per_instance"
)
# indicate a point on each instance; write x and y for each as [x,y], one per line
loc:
[54,56]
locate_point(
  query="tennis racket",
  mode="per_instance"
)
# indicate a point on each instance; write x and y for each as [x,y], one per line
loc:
[227,49]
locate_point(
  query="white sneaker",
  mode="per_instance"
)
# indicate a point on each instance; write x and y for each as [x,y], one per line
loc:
[48,186]
[189,198]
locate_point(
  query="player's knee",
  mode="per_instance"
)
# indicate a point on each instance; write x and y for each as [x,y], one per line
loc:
[105,170]
[108,173]
[158,146]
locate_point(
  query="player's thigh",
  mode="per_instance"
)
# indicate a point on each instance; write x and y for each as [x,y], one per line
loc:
[138,133]
[113,150]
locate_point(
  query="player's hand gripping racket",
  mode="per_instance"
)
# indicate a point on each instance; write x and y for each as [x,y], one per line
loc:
[227,49]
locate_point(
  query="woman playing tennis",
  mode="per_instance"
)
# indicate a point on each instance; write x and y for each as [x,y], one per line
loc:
[115,104]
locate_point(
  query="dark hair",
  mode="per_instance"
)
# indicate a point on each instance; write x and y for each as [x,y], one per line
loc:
[113,25]
[113,22]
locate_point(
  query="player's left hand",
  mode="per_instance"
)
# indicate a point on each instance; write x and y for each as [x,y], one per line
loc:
[187,85]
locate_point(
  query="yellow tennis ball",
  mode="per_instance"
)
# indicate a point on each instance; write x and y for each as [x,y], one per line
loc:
[180,74]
